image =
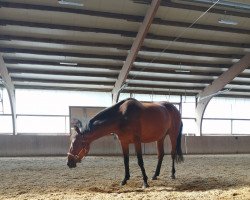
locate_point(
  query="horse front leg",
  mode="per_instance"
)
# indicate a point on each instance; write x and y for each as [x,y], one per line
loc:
[125,150]
[160,150]
[141,164]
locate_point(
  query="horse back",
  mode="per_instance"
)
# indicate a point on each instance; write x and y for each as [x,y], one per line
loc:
[148,121]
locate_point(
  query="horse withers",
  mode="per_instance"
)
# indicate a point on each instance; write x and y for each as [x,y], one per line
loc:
[133,122]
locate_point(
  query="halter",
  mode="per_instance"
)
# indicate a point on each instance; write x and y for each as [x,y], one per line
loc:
[77,157]
[84,149]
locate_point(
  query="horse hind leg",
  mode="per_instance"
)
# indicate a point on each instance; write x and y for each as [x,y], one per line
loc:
[173,138]
[141,164]
[176,153]
[173,165]
[160,150]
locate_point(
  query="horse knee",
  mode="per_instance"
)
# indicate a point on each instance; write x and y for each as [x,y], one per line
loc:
[160,156]
[140,162]
[173,154]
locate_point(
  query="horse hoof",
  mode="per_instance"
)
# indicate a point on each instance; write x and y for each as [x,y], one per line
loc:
[145,185]
[173,176]
[154,178]
[123,183]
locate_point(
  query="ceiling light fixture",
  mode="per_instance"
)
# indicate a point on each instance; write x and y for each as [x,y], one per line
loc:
[182,70]
[68,63]
[227,21]
[70,3]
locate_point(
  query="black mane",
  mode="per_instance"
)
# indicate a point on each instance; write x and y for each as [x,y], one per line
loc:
[105,114]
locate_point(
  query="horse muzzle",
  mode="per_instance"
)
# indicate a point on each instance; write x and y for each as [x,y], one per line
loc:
[71,164]
[72,160]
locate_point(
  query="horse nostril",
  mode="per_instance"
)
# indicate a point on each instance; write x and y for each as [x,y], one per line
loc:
[71,164]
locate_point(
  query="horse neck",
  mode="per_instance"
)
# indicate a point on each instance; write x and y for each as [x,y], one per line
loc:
[103,130]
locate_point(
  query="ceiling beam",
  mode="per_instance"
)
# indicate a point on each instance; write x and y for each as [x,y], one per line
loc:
[56,72]
[57,53]
[126,47]
[194,72]
[172,92]
[173,62]
[54,63]
[155,86]
[62,41]
[116,67]
[5,22]
[217,85]
[11,91]
[48,87]
[177,85]
[180,80]
[38,80]
[191,53]
[138,91]
[143,30]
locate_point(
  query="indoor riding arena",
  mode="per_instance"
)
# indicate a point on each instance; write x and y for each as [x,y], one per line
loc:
[124,99]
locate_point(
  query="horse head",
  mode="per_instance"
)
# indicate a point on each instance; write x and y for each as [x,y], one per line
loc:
[79,148]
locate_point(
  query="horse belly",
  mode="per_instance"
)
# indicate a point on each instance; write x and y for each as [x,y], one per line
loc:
[154,126]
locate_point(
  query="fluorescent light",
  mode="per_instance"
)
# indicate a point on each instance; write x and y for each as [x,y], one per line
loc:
[70,3]
[67,63]
[227,21]
[182,70]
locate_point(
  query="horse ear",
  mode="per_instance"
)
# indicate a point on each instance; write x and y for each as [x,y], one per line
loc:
[77,129]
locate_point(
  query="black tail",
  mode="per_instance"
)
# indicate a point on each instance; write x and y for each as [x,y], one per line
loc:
[179,155]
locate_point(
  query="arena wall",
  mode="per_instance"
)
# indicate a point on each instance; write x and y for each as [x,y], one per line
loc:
[37,145]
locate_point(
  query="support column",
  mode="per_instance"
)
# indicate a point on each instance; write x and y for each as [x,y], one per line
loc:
[210,91]
[11,91]
[199,111]
[134,49]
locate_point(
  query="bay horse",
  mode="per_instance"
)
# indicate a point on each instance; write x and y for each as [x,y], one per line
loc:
[133,122]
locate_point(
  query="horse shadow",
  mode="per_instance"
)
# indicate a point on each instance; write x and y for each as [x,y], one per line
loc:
[194,185]
[200,184]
